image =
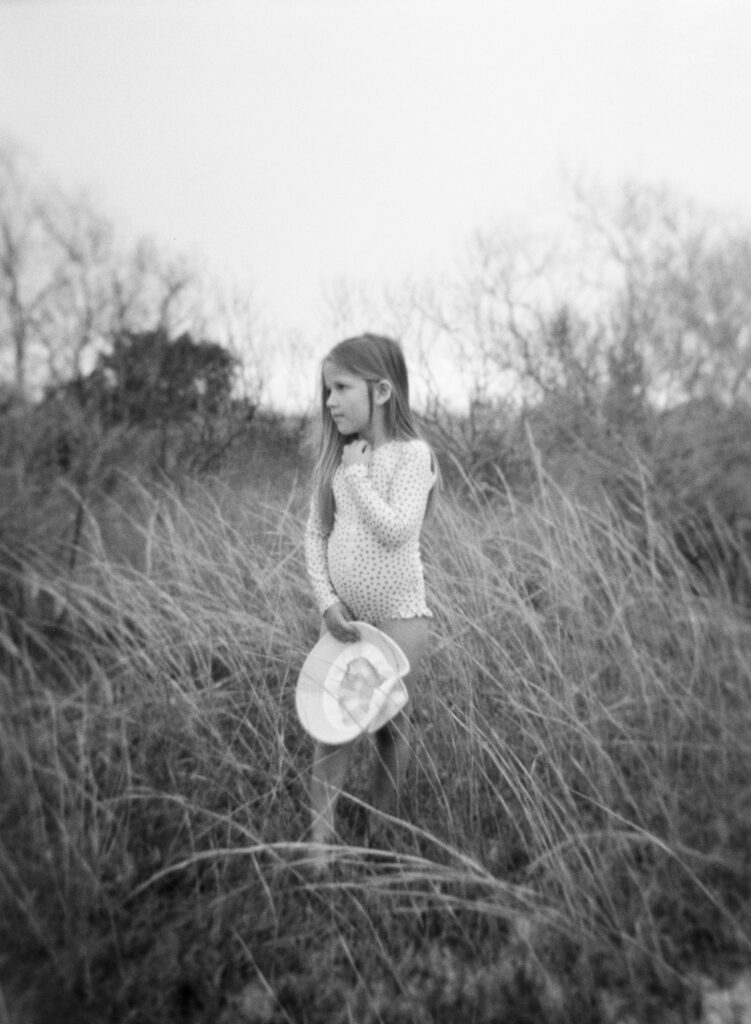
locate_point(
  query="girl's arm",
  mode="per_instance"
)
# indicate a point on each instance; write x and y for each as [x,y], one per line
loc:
[394,521]
[316,561]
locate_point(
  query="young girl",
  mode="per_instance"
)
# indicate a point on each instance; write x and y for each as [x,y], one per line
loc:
[372,485]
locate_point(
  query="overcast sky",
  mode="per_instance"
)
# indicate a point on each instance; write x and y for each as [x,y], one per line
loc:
[303,141]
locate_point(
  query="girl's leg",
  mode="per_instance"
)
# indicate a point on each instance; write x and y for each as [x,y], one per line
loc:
[330,765]
[328,772]
[392,759]
[392,741]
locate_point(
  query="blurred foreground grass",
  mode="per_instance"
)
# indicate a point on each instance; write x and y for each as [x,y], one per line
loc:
[577,842]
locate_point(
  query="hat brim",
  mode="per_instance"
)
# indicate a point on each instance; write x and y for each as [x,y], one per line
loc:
[327,709]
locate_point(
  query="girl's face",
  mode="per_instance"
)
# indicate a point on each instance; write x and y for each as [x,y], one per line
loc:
[347,400]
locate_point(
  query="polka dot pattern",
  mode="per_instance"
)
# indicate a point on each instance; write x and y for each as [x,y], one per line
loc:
[371,561]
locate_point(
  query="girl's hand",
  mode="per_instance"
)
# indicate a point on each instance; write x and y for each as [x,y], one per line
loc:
[337,619]
[356,452]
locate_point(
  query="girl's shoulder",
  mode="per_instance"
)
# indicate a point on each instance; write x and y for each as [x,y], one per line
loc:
[406,445]
[410,449]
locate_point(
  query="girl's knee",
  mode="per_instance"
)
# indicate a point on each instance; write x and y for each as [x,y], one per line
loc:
[329,756]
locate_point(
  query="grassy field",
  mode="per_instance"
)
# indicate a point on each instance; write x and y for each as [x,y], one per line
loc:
[577,833]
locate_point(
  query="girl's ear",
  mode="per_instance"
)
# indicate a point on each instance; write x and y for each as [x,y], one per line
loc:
[382,392]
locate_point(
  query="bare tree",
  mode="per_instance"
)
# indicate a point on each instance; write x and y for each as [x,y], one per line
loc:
[678,284]
[27,282]
[67,288]
[230,315]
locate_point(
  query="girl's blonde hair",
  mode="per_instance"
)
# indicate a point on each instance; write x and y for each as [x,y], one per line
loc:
[373,358]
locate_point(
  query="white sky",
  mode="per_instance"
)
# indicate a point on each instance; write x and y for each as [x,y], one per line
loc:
[303,141]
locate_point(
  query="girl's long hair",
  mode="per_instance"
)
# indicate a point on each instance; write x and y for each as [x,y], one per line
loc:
[371,357]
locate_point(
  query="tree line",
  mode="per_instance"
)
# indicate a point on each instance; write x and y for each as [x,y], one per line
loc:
[619,347]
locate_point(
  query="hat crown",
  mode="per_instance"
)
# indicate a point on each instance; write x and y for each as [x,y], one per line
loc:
[347,689]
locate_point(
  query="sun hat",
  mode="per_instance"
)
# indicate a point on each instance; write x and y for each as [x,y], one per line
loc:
[346,689]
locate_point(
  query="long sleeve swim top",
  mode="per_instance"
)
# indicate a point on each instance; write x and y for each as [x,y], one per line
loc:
[371,560]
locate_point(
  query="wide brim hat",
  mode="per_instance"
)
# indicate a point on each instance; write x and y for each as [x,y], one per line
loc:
[346,689]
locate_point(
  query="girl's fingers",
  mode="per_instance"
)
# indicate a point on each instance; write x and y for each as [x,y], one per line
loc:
[347,633]
[337,621]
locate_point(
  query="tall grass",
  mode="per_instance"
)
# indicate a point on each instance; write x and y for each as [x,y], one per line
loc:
[577,820]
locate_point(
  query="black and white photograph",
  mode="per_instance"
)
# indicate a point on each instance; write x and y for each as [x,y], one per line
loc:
[375,512]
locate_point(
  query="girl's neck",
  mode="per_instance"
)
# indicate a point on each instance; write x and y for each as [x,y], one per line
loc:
[375,434]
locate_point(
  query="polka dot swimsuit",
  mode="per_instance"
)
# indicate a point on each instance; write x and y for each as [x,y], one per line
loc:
[371,560]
